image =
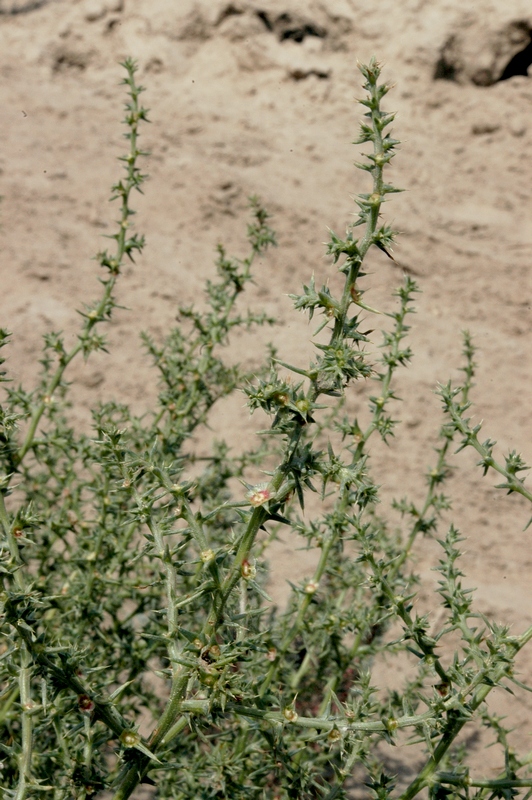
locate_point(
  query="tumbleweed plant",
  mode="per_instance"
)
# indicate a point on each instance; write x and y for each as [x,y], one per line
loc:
[141,655]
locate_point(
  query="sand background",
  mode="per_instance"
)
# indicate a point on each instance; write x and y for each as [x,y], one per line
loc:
[249,97]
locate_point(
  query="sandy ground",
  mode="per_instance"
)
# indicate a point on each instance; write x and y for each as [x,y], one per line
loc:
[249,97]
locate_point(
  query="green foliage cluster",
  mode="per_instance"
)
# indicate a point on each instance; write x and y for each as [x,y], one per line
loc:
[139,645]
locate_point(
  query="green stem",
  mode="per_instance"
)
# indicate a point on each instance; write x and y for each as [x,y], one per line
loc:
[514,484]
[138,768]
[56,379]
[436,475]
[454,725]
[304,604]
[495,785]
[87,748]
[399,334]
[369,235]
[427,648]
[14,550]
[171,580]
[24,761]
[98,314]
[328,723]
[331,723]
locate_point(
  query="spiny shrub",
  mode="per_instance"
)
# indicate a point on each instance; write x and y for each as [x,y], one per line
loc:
[139,645]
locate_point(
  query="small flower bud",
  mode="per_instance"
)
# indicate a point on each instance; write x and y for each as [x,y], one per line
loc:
[85,703]
[303,405]
[355,294]
[207,555]
[311,587]
[129,738]
[214,651]
[271,655]
[207,673]
[259,495]
[290,714]
[248,570]
[334,736]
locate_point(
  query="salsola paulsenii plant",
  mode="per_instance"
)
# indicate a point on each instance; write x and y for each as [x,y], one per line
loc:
[139,645]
